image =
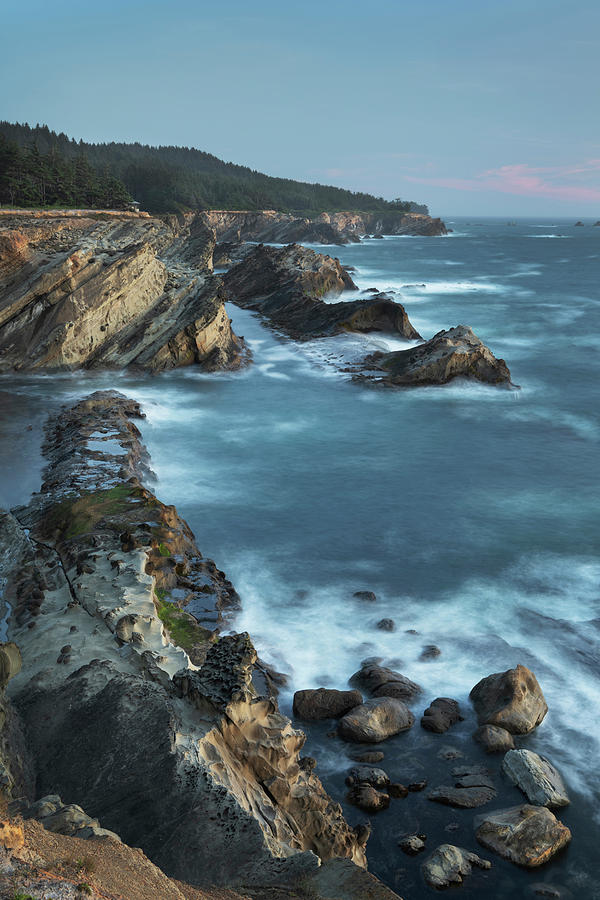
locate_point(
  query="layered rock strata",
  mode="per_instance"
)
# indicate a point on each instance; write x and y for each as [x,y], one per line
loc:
[97,290]
[192,763]
[287,285]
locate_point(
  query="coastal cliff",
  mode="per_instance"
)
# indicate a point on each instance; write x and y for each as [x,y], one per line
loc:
[180,747]
[95,290]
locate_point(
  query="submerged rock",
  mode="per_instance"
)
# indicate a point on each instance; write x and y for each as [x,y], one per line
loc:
[494,739]
[368,798]
[324,703]
[536,777]
[375,720]
[455,353]
[512,700]
[441,715]
[526,835]
[463,797]
[448,865]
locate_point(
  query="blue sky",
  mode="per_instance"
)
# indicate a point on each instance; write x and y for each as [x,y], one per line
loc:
[473,106]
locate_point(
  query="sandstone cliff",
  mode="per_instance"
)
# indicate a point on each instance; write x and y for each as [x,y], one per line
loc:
[95,290]
[287,286]
[109,601]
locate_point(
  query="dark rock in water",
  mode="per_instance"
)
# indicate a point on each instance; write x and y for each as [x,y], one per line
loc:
[526,835]
[417,786]
[550,891]
[580,224]
[384,682]
[494,739]
[450,753]
[368,798]
[369,596]
[464,798]
[324,703]
[512,699]
[413,844]
[386,625]
[372,757]
[405,690]
[441,715]
[448,865]
[536,777]
[597,224]
[430,652]
[378,237]
[375,720]
[398,791]
[369,775]
[455,353]
[287,286]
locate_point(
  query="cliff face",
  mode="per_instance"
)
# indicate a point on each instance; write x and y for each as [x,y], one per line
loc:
[97,290]
[287,286]
[328,228]
[195,765]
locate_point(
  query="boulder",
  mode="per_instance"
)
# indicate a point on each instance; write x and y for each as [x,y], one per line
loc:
[370,756]
[405,690]
[454,353]
[512,700]
[378,680]
[386,625]
[526,835]
[375,720]
[412,844]
[448,865]
[324,703]
[494,739]
[462,797]
[368,775]
[367,798]
[536,777]
[429,652]
[441,715]
[368,596]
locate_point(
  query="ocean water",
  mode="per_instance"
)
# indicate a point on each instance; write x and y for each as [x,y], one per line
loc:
[470,511]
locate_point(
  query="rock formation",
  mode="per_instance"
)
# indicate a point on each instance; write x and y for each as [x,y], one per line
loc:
[448,865]
[456,353]
[109,600]
[512,700]
[97,290]
[526,835]
[375,720]
[287,286]
[536,777]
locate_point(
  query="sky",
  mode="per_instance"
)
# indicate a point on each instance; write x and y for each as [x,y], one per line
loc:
[475,107]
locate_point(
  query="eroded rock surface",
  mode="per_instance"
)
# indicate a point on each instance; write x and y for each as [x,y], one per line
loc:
[287,286]
[442,713]
[448,865]
[324,703]
[455,353]
[375,720]
[535,775]
[527,835]
[512,700]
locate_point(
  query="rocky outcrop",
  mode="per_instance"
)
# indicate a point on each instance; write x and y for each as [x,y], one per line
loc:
[66,818]
[110,599]
[449,865]
[287,285]
[328,228]
[536,777]
[526,835]
[375,720]
[455,353]
[95,290]
[324,703]
[513,700]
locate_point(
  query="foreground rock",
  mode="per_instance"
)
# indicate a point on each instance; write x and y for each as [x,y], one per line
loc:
[448,865]
[324,703]
[536,777]
[526,835]
[456,353]
[441,715]
[287,286]
[66,818]
[366,797]
[512,700]
[384,682]
[111,291]
[375,720]
[195,766]
[494,739]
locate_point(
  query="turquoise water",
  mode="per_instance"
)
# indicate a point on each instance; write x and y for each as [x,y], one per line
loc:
[472,512]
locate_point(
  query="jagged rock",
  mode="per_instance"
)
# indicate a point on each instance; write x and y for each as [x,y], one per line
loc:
[448,865]
[512,700]
[384,682]
[536,777]
[526,835]
[455,353]
[375,720]
[368,798]
[464,797]
[286,285]
[66,818]
[369,775]
[413,844]
[324,703]
[386,625]
[95,291]
[11,835]
[441,715]
[494,739]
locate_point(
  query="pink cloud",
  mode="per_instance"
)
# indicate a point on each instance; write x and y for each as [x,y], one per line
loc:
[527,181]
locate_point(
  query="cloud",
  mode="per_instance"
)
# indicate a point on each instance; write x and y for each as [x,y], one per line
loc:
[528,181]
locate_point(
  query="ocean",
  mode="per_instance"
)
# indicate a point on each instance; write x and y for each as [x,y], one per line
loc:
[471,511]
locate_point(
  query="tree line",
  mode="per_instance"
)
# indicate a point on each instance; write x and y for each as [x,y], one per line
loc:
[171,179]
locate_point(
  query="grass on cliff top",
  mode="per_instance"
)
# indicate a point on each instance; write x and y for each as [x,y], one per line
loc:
[81,515]
[183,630]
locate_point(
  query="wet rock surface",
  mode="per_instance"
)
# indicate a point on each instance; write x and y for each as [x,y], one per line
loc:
[494,739]
[441,715]
[324,703]
[535,775]
[449,865]
[512,700]
[375,720]
[526,835]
